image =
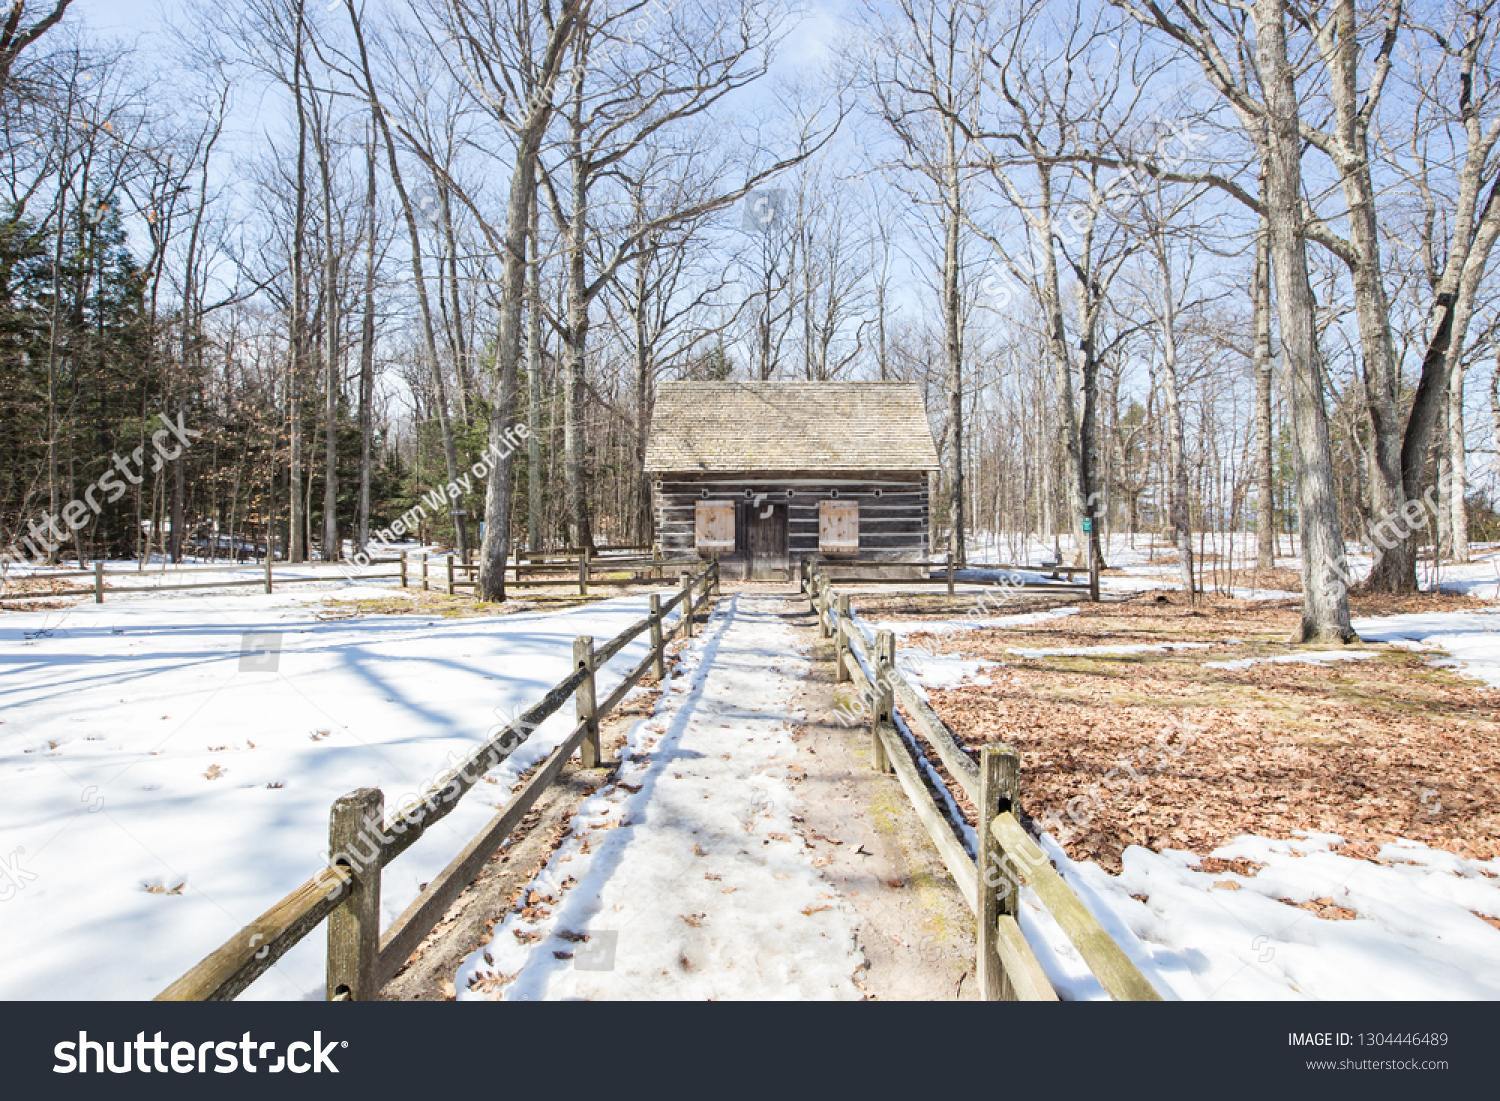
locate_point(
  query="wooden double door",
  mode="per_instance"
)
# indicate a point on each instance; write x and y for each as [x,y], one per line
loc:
[766,550]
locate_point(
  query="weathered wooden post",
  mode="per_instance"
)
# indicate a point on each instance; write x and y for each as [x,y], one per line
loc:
[883,707]
[268,567]
[825,604]
[999,768]
[584,702]
[658,570]
[718,589]
[841,645]
[950,574]
[403,569]
[449,560]
[99,582]
[583,573]
[658,648]
[425,556]
[354,928]
[687,605]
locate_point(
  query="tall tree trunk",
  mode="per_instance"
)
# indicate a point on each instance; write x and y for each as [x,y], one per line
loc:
[639,302]
[575,478]
[1176,436]
[296,534]
[1325,593]
[331,543]
[367,353]
[501,488]
[1495,394]
[458,339]
[953,350]
[1265,471]
[534,498]
[1458,457]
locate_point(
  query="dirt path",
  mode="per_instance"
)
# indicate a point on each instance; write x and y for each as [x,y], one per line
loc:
[743,848]
[915,929]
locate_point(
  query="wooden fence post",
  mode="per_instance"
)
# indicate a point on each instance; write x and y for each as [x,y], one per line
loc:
[268,567]
[658,647]
[449,560]
[424,571]
[950,573]
[354,928]
[825,604]
[999,769]
[687,605]
[583,573]
[584,702]
[841,644]
[884,705]
[657,569]
[718,589]
[403,569]
[99,582]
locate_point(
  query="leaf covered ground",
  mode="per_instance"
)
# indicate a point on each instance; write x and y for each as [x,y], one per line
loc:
[1163,749]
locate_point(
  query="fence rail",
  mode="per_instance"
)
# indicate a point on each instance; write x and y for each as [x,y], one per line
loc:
[415,570]
[586,571]
[1006,857]
[362,842]
[266,579]
[1061,576]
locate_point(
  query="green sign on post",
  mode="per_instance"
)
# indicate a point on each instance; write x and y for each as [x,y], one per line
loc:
[1088,525]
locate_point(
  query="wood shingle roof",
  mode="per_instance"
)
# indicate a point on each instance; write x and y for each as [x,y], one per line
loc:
[727,427]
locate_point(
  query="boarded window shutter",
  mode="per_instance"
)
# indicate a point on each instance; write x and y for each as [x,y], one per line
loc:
[838,527]
[715,529]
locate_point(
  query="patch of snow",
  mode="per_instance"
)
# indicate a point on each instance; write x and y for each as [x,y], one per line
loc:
[139,749]
[1471,638]
[1312,657]
[1226,936]
[1107,651]
[946,626]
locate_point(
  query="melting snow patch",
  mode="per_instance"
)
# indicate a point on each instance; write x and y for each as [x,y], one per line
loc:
[1411,930]
[1106,651]
[947,626]
[1314,657]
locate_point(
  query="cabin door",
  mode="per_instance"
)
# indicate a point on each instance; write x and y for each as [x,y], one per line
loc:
[766,542]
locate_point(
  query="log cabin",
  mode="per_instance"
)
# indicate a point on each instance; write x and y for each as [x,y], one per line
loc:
[767,474]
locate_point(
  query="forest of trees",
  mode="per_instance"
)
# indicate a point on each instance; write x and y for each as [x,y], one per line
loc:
[1171,266]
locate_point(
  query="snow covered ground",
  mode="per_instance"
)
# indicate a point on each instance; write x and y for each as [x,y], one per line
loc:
[1406,931]
[687,878]
[166,777]
[167,762]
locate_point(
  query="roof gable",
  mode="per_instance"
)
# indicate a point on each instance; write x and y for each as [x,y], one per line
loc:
[786,426]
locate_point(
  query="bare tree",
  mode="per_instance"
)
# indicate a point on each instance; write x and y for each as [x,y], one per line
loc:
[14,38]
[923,79]
[419,278]
[1254,36]
[624,92]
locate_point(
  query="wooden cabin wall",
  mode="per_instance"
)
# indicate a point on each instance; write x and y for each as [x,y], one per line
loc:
[894,526]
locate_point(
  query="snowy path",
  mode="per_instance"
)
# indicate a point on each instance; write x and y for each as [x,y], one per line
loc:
[687,879]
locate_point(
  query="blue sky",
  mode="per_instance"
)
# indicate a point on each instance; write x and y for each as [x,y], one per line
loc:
[126,18]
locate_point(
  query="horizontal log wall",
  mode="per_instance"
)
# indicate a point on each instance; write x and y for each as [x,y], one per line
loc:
[893,527]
